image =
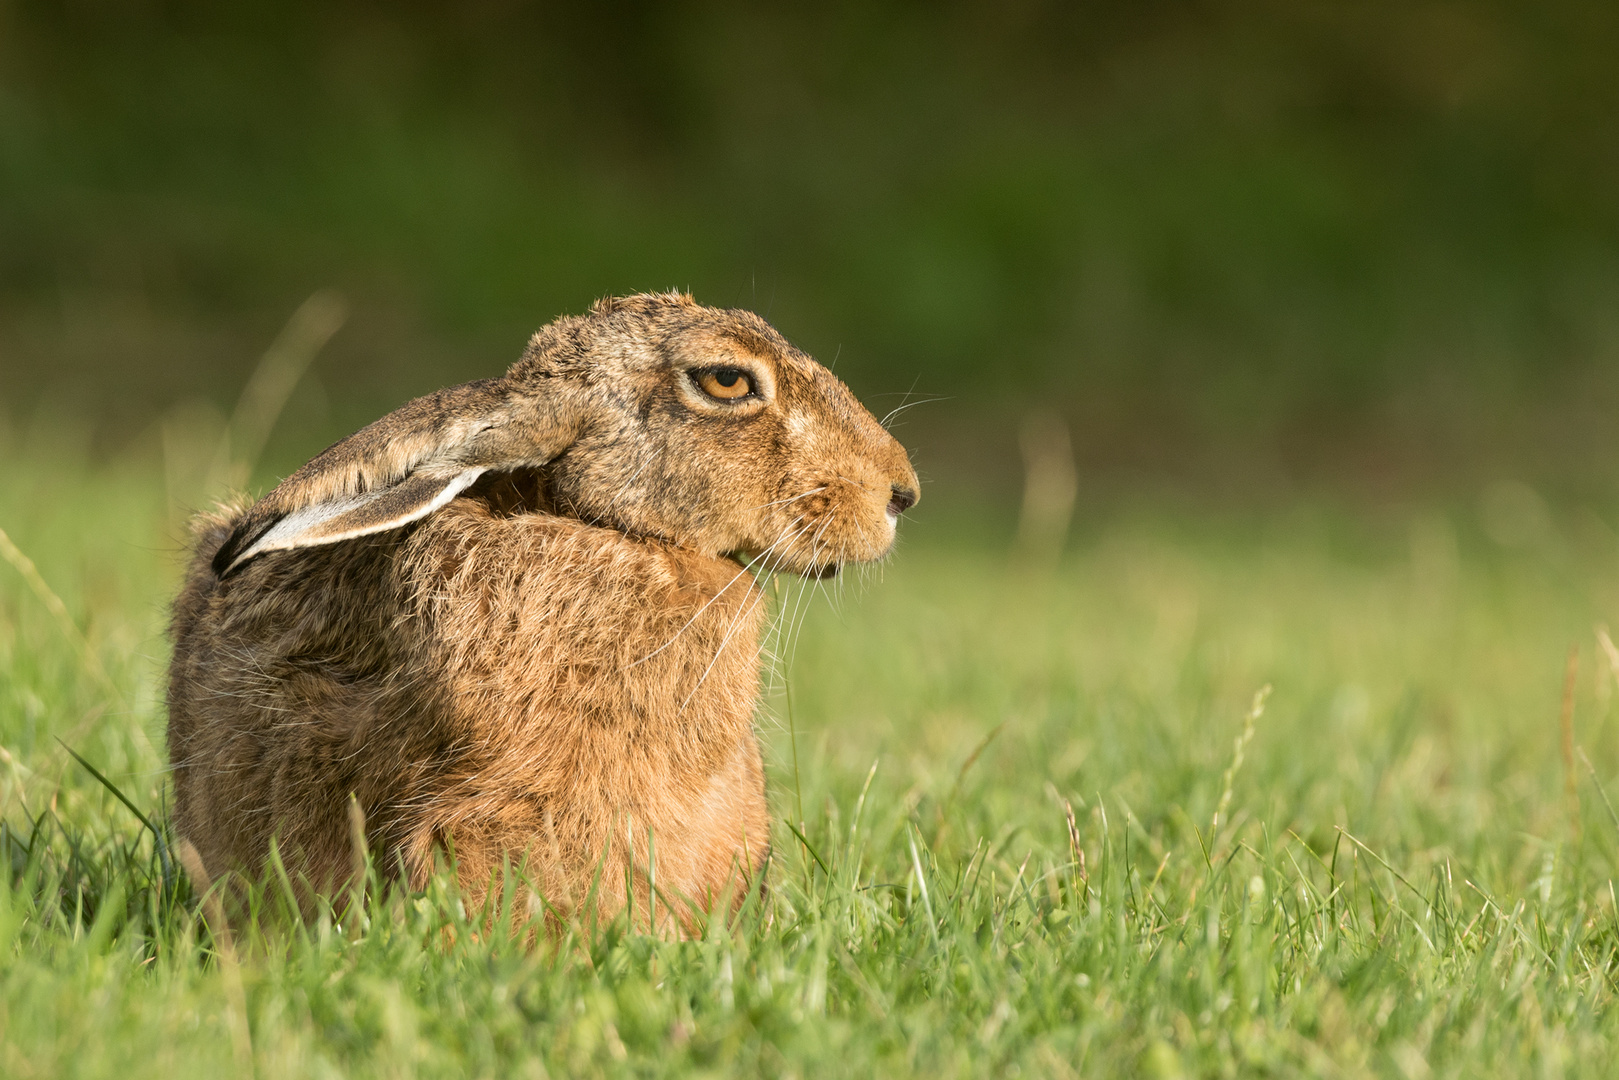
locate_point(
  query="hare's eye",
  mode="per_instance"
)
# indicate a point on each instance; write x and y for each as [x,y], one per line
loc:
[727,383]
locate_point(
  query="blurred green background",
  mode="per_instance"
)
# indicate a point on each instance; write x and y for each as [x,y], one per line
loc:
[1251,246]
[1286,332]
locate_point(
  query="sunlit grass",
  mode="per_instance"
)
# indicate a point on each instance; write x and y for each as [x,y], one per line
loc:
[1398,879]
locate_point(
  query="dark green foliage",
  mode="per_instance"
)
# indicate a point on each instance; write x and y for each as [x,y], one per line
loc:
[1308,228]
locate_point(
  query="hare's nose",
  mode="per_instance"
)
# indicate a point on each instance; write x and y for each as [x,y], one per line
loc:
[903,499]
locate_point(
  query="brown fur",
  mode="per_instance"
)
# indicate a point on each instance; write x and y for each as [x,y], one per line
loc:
[559,664]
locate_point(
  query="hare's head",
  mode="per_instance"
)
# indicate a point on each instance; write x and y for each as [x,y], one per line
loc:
[652,415]
[707,428]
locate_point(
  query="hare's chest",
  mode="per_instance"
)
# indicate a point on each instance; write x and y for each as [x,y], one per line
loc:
[584,651]
[712,841]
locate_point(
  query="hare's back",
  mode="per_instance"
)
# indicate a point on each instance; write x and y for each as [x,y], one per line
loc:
[284,679]
[482,665]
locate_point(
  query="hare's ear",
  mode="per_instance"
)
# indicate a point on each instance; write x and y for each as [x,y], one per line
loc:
[342,517]
[401,468]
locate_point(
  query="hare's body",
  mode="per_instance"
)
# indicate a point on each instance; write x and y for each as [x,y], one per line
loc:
[482,707]
[494,676]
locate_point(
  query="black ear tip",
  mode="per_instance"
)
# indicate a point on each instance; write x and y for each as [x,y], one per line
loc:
[242,537]
[225,556]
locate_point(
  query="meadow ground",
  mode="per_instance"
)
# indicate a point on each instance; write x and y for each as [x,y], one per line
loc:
[1401,866]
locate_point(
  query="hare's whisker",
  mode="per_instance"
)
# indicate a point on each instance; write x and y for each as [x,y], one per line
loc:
[780,629]
[793,498]
[712,599]
[736,621]
[909,405]
[802,607]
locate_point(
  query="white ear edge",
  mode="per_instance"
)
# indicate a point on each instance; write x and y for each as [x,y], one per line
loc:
[301,527]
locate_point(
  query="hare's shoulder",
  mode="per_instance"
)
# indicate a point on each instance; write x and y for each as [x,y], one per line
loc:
[484,545]
[538,606]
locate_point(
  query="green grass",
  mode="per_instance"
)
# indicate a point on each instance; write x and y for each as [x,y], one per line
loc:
[1401,883]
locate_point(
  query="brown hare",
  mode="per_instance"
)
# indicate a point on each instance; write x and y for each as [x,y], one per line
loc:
[512,620]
